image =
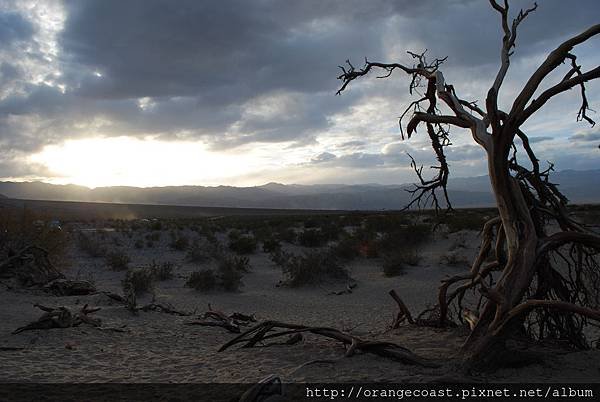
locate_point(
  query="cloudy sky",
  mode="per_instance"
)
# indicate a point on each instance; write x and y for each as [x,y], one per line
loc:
[147,92]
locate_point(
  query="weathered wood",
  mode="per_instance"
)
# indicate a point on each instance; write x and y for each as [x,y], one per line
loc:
[262,332]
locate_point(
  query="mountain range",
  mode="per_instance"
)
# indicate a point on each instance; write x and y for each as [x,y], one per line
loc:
[578,186]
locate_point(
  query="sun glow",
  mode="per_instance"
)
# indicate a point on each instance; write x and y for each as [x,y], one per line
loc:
[121,161]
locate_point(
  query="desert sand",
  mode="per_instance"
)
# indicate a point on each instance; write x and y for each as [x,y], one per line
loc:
[158,347]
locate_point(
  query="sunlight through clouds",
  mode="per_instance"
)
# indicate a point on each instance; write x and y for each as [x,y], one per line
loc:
[99,162]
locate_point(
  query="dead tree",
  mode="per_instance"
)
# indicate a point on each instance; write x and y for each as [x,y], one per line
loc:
[536,281]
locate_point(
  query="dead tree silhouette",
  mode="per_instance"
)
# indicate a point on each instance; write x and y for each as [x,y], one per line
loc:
[537,269]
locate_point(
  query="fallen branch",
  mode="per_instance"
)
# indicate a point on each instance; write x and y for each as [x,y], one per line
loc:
[163,309]
[61,317]
[346,291]
[216,318]
[260,333]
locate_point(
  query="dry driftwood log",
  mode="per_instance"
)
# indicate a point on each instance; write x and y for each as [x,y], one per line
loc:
[346,291]
[61,317]
[30,267]
[232,322]
[68,287]
[274,329]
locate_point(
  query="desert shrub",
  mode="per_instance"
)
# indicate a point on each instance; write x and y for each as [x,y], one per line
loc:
[199,252]
[312,268]
[263,233]
[117,260]
[330,231]
[288,235]
[279,257]
[153,236]
[394,263]
[244,244]
[156,225]
[139,243]
[464,221]
[347,248]
[406,237]
[271,245]
[91,245]
[162,271]
[180,243]
[230,272]
[202,280]
[138,280]
[385,223]
[311,238]
[149,244]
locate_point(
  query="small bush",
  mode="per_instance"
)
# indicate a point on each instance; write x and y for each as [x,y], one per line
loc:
[288,235]
[311,238]
[393,265]
[465,221]
[230,272]
[180,243]
[279,257]
[162,271]
[138,280]
[203,280]
[118,260]
[271,245]
[200,252]
[138,244]
[156,225]
[312,268]
[91,246]
[154,236]
[245,244]
[347,249]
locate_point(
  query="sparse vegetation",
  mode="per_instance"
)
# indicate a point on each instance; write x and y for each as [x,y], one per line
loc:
[311,238]
[90,245]
[231,271]
[162,271]
[312,268]
[243,244]
[202,280]
[180,242]
[138,280]
[118,260]
[271,245]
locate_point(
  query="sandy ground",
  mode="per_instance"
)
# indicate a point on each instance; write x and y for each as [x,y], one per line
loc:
[158,347]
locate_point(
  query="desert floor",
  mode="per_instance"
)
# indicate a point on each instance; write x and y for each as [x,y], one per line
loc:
[158,347]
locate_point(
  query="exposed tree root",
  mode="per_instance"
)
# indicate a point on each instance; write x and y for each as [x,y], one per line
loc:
[346,291]
[68,287]
[61,317]
[162,308]
[232,322]
[261,333]
[403,311]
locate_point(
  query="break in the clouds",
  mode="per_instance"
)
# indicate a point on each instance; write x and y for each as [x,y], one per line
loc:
[257,79]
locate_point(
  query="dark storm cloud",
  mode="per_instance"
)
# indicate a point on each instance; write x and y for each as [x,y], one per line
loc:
[239,72]
[586,137]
